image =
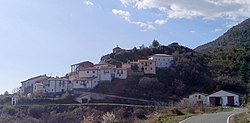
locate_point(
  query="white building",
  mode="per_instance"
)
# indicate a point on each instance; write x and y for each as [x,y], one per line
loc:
[84,98]
[147,66]
[85,83]
[38,87]
[121,73]
[88,72]
[28,85]
[223,98]
[105,74]
[195,99]
[56,85]
[162,60]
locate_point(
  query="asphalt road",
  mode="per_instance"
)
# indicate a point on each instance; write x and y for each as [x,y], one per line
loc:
[220,117]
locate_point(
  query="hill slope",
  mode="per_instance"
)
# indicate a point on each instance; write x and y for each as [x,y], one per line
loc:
[230,56]
[189,73]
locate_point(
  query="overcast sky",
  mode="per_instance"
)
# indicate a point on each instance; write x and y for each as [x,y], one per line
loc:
[47,36]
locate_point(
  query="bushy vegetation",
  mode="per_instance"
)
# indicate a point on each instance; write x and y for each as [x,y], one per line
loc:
[229,58]
[189,73]
[94,114]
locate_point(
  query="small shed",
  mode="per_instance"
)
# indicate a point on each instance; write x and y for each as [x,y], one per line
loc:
[83,98]
[14,100]
[223,98]
[195,99]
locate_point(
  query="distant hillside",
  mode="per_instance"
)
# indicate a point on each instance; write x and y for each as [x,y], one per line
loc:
[229,56]
[237,36]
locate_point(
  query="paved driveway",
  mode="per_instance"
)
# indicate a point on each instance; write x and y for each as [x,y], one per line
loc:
[220,117]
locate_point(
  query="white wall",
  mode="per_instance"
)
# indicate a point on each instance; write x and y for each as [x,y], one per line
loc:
[162,61]
[79,84]
[105,75]
[88,73]
[121,73]
[148,66]
[82,84]
[55,86]
[38,87]
[194,98]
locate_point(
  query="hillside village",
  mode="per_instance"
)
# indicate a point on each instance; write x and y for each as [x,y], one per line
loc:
[86,75]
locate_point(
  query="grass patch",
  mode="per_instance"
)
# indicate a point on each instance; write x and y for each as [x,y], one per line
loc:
[241,118]
[173,119]
[224,110]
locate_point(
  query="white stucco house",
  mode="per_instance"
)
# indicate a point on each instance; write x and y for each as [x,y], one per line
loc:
[27,86]
[39,88]
[147,66]
[162,60]
[85,83]
[223,98]
[56,85]
[195,99]
[105,74]
[88,72]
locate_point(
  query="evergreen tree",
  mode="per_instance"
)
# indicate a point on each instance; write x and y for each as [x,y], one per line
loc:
[244,72]
[155,44]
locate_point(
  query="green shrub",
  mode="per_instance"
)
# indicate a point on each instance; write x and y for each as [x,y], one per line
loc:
[36,111]
[9,110]
[177,112]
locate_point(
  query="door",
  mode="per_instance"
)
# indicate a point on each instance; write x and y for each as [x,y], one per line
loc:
[230,100]
[212,101]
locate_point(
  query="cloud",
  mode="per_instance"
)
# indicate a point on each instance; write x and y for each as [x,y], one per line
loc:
[192,31]
[233,11]
[208,9]
[123,14]
[160,21]
[217,30]
[127,17]
[88,3]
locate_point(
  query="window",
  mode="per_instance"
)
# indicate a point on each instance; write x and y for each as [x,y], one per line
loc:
[76,82]
[199,97]
[52,90]
[150,63]
[87,71]
[93,72]
[151,68]
[145,68]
